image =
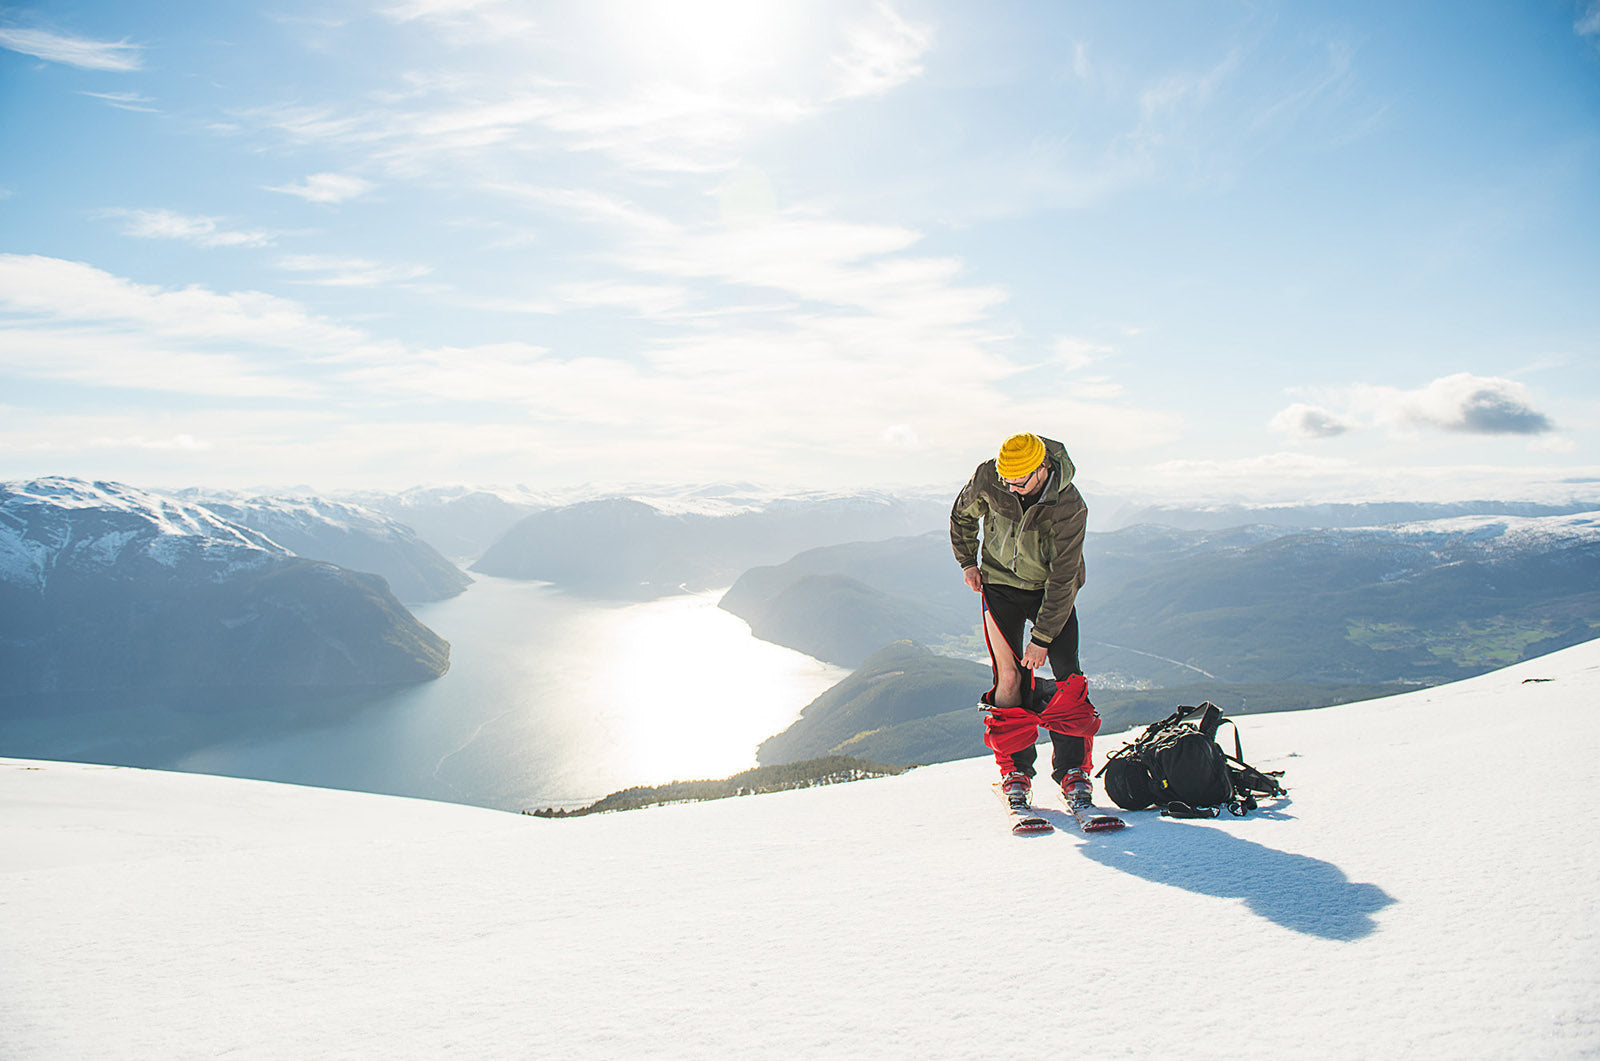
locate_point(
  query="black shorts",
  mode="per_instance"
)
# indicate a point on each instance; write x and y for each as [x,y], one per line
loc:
[1012,607]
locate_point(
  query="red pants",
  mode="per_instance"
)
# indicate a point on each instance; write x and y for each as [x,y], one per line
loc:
[1010,732]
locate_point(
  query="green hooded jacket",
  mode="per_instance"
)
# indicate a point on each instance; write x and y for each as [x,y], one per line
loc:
[1041,548]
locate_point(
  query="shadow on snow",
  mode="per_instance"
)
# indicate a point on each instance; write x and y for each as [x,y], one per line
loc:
[1301,893]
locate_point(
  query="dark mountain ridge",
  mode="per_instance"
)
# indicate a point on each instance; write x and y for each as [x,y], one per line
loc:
[103,586]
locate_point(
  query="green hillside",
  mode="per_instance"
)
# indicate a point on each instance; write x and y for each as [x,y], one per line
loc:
[908,706]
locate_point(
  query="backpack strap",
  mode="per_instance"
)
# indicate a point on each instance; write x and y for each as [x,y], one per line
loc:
[1238,749]
[1247,777]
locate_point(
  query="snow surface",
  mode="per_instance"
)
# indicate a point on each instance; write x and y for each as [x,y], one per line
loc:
[1427,890]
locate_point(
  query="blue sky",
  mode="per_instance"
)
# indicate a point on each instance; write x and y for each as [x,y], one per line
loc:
[1265,251]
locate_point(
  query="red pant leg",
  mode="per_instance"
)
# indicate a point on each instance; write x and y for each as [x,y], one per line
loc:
[1008,730]
[1069,711]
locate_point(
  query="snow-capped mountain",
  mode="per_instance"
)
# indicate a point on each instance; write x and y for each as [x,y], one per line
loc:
[1398,903]
[345,534]
[55,523]
[107,586]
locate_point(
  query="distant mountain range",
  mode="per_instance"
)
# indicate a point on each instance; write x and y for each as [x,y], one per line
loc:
[1252,618]
[460,522]
[104,586]
[108,586]
[626,548]
[1420,602]
[349,535]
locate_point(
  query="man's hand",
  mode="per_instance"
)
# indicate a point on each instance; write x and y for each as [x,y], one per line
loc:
[974,580]
[1034,656]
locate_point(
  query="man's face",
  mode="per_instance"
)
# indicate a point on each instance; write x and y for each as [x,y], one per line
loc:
[1028,483]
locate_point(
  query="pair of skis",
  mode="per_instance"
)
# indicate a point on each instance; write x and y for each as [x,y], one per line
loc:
[1024,822]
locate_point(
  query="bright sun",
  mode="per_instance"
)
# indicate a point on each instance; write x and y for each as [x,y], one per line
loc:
[705,43]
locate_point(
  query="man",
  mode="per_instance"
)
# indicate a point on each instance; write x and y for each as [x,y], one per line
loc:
[1030,569]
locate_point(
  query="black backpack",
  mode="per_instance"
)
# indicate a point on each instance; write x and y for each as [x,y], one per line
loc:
[1179,766]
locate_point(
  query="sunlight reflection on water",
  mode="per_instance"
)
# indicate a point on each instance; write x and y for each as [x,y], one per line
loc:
[554,701]
[710,687]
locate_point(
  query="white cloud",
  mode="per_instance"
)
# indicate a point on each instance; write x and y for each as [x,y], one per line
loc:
[675,87]
[1475,405]
[326,188]
[72,293]
[900,436]
[465,21]
[1309,421]
[117,56]
[201,231]
[98,357]
[1074,355]
[1462,403]
[881,53]
[181,443]
[1588,24]
[333,271]
[72,322]
[645,300]
[819,259]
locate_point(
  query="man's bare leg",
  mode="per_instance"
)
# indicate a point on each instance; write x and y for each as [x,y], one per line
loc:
[1008,675]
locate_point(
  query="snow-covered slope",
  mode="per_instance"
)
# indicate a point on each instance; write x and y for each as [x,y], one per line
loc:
[1426,891]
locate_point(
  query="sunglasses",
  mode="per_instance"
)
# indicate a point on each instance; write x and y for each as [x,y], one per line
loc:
[1024,480]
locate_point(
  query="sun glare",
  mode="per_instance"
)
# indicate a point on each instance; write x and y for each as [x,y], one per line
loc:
[709,694]
[705,43]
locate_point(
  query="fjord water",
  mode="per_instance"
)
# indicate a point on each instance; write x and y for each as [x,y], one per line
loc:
[550,700]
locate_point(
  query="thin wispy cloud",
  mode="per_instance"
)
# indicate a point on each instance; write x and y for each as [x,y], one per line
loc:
[881,52]
[182,443]
[699,82]
[36,291]
[106,358]
[127,101]
[335,271]
[464,21]
[1074,355]
[200,231]
[1588,24]
[82,52]
[326,188]
[645,300]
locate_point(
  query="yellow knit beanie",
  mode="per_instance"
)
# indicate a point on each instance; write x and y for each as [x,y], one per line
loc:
[1019,455]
